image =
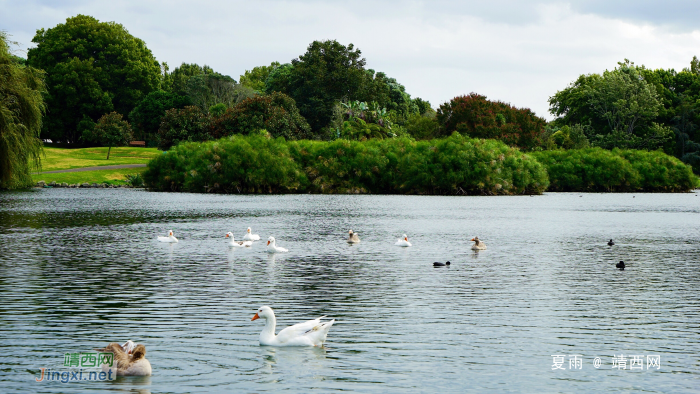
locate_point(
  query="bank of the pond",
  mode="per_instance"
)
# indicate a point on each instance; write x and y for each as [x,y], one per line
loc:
[452,166]
[257,164]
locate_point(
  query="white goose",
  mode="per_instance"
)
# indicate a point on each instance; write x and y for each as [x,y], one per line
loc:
[308,333]
[403,241]
[273,248]
[249,236]
[169,238]
[237,244]
[478,245]
[353,238]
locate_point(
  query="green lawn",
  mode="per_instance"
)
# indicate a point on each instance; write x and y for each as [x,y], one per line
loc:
[116,177]
[63,159]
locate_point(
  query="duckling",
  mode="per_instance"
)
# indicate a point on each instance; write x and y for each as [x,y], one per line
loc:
[478,245]
[611,243]
[620,265]
[353,238]
[438,264]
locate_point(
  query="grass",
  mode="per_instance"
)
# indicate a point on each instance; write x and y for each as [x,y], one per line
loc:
[63,159]
[115,177]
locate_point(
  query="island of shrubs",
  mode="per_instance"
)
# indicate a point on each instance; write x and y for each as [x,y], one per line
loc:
[455,165]
[260,164]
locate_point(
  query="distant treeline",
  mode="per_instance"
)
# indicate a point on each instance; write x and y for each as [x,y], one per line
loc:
[455,165]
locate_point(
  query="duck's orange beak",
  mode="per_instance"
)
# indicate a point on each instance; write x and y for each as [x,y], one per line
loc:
[405,239]
[226,235]
[268,242]
[255,317]
[472,239]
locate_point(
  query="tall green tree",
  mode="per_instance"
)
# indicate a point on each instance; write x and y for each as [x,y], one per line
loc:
[148,113]
[327,73]
[255,78]
[620,106]
[92,68]
[21,109]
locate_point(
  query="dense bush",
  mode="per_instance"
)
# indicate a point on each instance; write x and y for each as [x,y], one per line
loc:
[475,116]
[599,170]
[188,124]
[257,163]
[276,113]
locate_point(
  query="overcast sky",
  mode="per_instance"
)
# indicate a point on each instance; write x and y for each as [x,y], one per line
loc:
[517,51]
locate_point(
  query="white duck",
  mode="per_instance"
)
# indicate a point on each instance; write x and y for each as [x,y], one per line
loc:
[237,244]
[273,248]
[308,333]
[250,236]
[170,238]
[403,241]
[478,245]
[353,238]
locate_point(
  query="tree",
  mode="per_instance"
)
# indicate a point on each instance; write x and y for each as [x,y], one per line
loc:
[328,72]
[187,124]
[278,79]
[21,109]
[110,130]
[148,113]
[276,113]
[92,68]
[619,106]
[477,117]
[255,78]
[206,90]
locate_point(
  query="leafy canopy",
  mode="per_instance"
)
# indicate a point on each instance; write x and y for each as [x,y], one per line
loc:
[21,109]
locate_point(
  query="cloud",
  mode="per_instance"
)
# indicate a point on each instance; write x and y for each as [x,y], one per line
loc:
[511,51]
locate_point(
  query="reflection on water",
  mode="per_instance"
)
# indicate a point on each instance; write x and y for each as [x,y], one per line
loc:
[82,268]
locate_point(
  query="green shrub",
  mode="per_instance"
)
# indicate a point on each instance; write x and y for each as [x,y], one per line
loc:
[259,164]
[600,170]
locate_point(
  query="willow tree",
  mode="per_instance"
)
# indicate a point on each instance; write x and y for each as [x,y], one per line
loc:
[21,109]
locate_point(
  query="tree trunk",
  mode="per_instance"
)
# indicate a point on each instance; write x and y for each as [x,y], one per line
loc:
[108,150]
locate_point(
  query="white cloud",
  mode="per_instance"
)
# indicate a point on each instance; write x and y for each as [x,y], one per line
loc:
[511,51]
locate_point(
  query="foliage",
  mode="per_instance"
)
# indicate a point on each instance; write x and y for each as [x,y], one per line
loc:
[21,109]
[259,164]
[620,107]
[599,170]
[110,130]
[187,124]
[358,129]
[134,180]
[279,78]
[147,115]
[566,137]
[276,113]
[328,72]
[206,90]
[92,68]
[254,164]
[255,79]
[422,127]
[477,117]
[217,110]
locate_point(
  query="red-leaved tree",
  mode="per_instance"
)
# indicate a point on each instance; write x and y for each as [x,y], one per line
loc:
[477,117]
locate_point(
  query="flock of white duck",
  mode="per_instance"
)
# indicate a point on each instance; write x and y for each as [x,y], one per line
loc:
[131,358]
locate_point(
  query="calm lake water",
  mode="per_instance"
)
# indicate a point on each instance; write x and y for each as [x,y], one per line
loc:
[81,268]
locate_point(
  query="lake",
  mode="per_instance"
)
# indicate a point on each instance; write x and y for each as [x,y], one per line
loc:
[82,267]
